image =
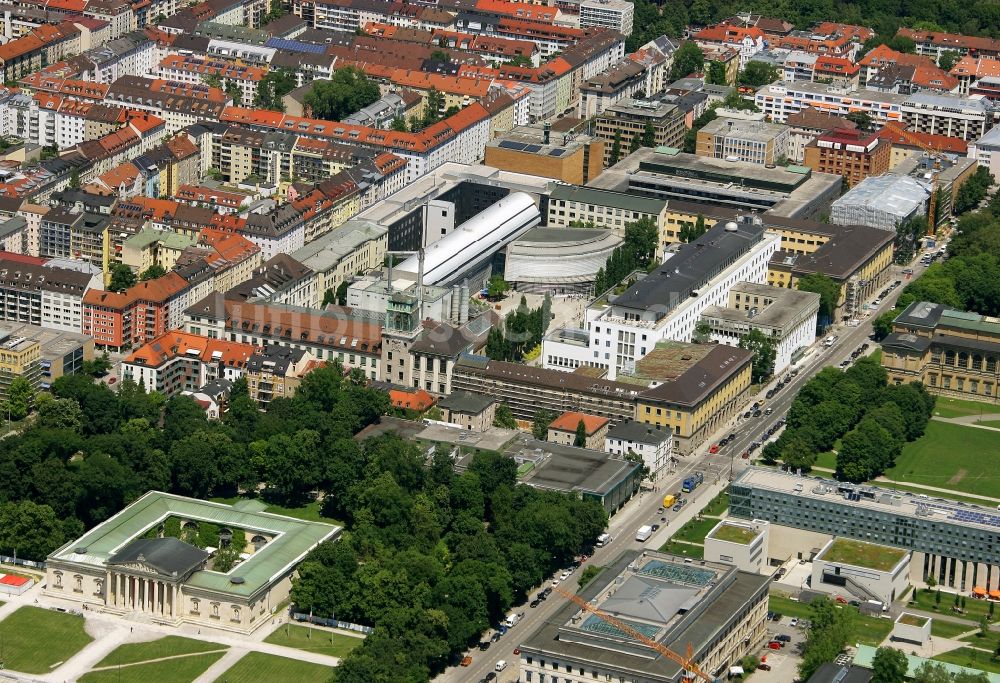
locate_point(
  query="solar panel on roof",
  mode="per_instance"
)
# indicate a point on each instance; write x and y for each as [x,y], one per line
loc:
[508,144]
[556,152]
[532,148]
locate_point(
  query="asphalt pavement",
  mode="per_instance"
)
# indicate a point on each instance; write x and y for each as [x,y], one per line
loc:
[718,468]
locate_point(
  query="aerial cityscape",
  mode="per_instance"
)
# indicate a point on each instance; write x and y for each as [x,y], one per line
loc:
[534,341]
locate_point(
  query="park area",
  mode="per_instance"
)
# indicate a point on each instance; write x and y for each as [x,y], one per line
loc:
[171,659]
[257,666]
[318,640]
[35,640]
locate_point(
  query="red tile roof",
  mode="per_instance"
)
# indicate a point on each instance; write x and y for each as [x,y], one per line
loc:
[176,343]
[568,422]
[158,290]
[942,143]
[416,399]
[976,67]
[951,40]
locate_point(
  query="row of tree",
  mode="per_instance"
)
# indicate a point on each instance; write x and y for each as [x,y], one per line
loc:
[522,331]
[871,419]
[637,252]
[972,191]
[432,558]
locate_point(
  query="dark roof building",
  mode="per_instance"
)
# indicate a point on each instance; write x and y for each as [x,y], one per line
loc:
[169,556]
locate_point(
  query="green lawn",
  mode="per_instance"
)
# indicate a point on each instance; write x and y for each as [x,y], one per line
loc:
[974,609]
[180,670]
[35,640]
[310,512]
[684,549]
[859,553]
[867,630]
[956,407]
[827,460]
[989,423]
[718,505]
[154,649]
[988,642]
[256,666]
[735,534]
[321,642]
[974,659]
[696,529]
[949,629]
[950,456]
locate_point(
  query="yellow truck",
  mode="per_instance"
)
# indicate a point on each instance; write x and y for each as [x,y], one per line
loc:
[669,500]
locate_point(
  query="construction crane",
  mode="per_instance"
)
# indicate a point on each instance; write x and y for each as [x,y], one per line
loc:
[686,661]
[935,154]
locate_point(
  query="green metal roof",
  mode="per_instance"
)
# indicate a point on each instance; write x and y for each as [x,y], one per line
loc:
[293,538]
[967,320]
[616,200]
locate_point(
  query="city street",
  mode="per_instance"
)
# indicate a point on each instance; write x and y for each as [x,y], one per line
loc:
[717,469]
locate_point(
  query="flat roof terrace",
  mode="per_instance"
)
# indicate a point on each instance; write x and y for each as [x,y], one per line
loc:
[860,554]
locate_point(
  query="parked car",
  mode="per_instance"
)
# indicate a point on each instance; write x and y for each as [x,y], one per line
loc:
[656,527]
[484,646]
[776,617]
[794,622]
[545,593]
[783,638]
[774,645]
[535,603]
[714,448]
[466,661]
[763,666]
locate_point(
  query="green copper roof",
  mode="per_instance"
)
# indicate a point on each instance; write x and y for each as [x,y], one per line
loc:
[293,538]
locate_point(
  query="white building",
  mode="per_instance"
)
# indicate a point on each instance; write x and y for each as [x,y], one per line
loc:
[40,295]
[178,361]
[787,316]
[668,302]
[986,151]
[613,14]
[865,571]
[652,444]
[778,100]
[948,114]
[882,202]
[739,542]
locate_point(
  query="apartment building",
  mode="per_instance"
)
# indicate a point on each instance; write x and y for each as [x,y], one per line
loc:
[564,430]
[119,321]
[617,15]
[195,70]
[178,104]
[42,295]
[652,444]
[276,372]
[970,70]
[358,246]
[935,43]
[949,115]
[746,41]
[953,353]
[604,90]
[850,153]
[755,142]
[808,124]
[176,362]
[779,100]
[629,119]
[281,280]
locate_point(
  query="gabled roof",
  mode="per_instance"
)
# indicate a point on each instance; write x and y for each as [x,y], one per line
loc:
[568,422]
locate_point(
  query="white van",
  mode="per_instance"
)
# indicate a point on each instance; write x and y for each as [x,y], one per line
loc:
[512,619]
[501,665]
[644,532]
[603,540]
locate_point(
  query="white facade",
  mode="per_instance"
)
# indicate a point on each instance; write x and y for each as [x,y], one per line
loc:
[615,343]
[780,99]
[864,583]
[986,151]
[656,453]
[614,14]
[61,311]
[741,543]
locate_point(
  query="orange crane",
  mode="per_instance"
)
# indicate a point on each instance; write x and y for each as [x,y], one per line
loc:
[935,154]
[685,661]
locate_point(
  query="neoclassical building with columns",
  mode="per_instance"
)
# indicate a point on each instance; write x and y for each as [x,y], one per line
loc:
[131,564]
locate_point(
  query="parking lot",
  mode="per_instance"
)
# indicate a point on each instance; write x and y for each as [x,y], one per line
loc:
[784,663]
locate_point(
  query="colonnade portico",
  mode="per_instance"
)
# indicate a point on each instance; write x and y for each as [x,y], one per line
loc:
[136,593]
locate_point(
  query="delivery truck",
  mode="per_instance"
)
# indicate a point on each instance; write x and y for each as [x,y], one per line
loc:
[644,533]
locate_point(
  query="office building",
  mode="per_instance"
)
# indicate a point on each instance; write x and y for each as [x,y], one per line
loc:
[947,173]
[614,14]
[560,260]
[652,444]
[575,206]
[883,202]
[629,118]
[743,544]
[785,316]
[953,353]
[712,609]
[61,352]
[694,389]
[527,390]
[536,150]
[20,358]
[668,302]
[808,124]
[866,571]
[951,542]
[668,173]
[754,142]
[850,153]
[128,567]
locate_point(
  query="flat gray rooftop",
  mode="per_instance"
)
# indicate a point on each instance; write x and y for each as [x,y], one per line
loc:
[566,468]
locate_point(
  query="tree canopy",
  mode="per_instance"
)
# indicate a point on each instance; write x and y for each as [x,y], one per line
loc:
[122,278]
[828,290]
[348,91]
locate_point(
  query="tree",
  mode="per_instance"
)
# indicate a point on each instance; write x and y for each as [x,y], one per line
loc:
[540,425]
[649,135]
[273,87]
[122,278]
[862,118]
[764,352]
[736,101]
[398,124]
[74,179]
[98,367]
[984,627]
[345,93]
[234,92]
[580,439]
[889,665]
[687,60]
[497,288]
[882,325]
[28,530]
[440,55]
[20,397]
[716,74]
[153,272]
[948,59]
[756,74]
[504,418]
[616,148]
[59,413]
[828,290]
